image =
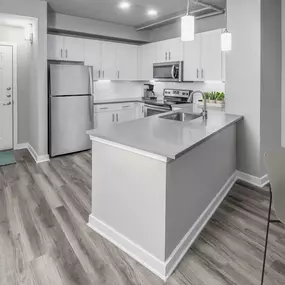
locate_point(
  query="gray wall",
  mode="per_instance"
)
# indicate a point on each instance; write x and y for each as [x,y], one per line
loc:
[174,30]
[271,66]
[38,95]
[99,28]
[17,36]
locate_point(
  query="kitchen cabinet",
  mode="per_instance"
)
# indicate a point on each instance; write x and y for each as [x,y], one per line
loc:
[109,61]
[146,59]
[169,50]
[104,119]
[93,57]
[127,62]
[65,48]
[125,115]
[203,57]
[139,109]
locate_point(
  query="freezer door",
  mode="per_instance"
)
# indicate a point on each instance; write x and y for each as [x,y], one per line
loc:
[69,80]
[70,118]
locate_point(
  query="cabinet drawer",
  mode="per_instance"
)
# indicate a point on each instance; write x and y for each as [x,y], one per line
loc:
[113,107]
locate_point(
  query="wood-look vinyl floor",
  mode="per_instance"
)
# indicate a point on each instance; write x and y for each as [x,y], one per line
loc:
[44,238]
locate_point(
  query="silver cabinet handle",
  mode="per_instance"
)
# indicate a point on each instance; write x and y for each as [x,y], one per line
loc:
[66,53]
[113,117]
[9,96]
[165,55]
[99,73]
[103,74]
[9,88]
[202,73]
[117,116]
[7,104]
[126,106]
[118,74]
[197,73]
[104,108]
[169,55]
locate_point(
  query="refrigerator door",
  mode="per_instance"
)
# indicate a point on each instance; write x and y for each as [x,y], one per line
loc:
[69,80]
[70,118]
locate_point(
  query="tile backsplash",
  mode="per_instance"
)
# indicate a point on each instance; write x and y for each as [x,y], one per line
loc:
[132,89]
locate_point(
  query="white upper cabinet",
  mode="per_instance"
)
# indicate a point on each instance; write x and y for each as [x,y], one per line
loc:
[65,48]
[192,59]
[127,62]
[211,57]
[93,57]
[146,59]
[203,57]
[109,61]
[169,50]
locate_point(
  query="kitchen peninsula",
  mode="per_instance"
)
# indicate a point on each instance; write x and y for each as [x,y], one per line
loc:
[157,181]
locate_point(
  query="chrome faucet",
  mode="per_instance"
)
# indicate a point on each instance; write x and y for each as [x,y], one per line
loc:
[204,110]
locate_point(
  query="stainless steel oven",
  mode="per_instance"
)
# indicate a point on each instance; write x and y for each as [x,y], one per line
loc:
[168,71]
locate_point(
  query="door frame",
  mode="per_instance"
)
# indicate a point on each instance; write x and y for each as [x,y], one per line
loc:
[15,92]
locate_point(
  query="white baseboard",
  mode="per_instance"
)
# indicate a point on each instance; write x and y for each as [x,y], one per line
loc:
[256,181]
[163,269]
[36,157]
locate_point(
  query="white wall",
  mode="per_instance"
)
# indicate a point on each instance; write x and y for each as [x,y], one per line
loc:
[283,74]
[253,79]
[93,27]
[16,36]
[38,112]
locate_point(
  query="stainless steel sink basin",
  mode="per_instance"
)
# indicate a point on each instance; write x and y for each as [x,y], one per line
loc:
[181,117]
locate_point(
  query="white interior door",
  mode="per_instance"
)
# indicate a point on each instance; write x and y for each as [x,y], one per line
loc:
[6,99]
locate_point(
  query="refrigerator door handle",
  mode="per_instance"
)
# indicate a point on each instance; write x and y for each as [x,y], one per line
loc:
[91,99]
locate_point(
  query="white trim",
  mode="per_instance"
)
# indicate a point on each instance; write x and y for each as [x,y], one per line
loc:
[163,269]
[256,181]
[130,149]
[15,90]
[21,146]
[36,157]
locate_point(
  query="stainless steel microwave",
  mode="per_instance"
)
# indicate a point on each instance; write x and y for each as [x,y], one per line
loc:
[168,71]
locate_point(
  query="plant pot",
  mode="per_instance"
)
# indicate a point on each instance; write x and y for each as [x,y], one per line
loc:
[212,101]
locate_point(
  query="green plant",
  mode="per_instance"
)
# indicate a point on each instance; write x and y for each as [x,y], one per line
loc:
[213,96]
[207,95]
[220,96]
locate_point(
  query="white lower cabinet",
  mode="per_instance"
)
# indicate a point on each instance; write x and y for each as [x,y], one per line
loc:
[139,109]
[107,114]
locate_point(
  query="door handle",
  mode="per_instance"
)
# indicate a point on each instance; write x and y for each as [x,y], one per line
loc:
[197,73]
[113,117]
[118,74]
[9,96]
[169,55]
[103,74]
[165,55]
[7,104]
[202,73]
[9,88]
[61,53]
[117,117]
[66,53]
[99,73]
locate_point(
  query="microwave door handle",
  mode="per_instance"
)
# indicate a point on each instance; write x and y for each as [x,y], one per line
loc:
[173,71]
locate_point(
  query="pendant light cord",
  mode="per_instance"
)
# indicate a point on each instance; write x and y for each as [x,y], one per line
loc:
[188,8]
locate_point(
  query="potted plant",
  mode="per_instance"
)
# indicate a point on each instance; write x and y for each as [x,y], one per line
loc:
[212,97]
[207,94]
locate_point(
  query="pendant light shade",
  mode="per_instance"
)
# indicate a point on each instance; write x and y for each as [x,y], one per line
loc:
[226,41]
[187,28]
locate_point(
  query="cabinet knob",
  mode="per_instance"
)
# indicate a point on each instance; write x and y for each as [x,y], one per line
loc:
[9,88]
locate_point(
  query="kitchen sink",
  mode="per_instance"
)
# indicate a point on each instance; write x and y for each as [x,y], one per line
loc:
[181,116]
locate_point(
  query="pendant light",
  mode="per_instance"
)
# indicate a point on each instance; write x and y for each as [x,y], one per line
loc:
[226,38]
[188,26]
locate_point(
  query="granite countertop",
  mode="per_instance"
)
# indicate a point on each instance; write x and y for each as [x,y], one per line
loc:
[163,137]
[118,100]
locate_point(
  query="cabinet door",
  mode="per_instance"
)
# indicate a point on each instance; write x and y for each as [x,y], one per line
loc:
[93,57]
[127,60]
[55,47]
[161,51]
[125,115]
[104,119]
[139,110]
[211,57]
[74,49]
[174,49]
[109,61]
[192,59]
[147,57]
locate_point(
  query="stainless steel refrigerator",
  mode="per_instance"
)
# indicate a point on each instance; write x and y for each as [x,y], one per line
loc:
[70,108]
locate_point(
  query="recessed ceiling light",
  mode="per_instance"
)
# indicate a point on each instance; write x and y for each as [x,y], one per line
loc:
[152,12]
[125,5]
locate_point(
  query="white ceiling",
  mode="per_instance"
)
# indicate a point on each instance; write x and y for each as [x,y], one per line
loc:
[107,10]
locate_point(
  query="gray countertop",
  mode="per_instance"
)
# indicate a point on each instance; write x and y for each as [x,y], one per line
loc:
[163,137]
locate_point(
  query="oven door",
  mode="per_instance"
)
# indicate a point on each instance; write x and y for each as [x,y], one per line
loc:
[151,110]
[168,71]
